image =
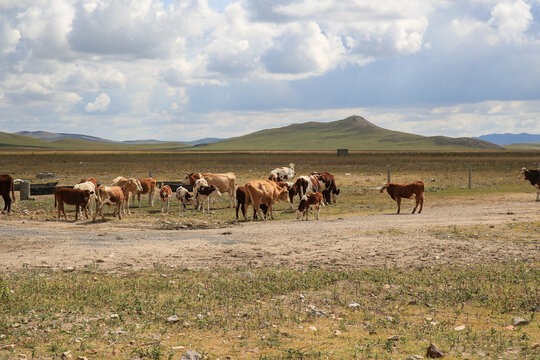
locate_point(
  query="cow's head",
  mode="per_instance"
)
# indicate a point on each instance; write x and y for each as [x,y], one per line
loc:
[283,194]
[136,185]
[335,194]
[86,196]
[272,177]
[384,187]
[291,165]
[302,207]
[523,174]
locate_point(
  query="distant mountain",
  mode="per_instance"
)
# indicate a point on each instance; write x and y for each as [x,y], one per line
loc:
[354,133]
[203,141]
[49,136]
[21,142]
[508,138]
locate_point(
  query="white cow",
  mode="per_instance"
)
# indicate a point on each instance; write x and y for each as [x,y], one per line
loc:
[87,185]
[282,173]
[183,197]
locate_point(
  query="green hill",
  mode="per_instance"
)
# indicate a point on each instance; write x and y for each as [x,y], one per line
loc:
[354,133]
[20,142]
[525,146]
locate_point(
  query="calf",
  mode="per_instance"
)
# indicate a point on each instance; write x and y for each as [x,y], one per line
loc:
[148,187]
[129,186]
[6,185]
[87,185]
[205,193]
[183,197]
[76,197]
[165,194]
[111,196]
[533,176]
[307,201]
[243,202]
[406,191]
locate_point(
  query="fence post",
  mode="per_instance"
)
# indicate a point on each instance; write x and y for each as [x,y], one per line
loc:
[470,176]
[150,173]
[24,190]
[388,175]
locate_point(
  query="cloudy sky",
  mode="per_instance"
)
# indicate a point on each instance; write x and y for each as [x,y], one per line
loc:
[187,69]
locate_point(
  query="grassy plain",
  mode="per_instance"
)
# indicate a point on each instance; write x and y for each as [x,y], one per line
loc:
[279,313]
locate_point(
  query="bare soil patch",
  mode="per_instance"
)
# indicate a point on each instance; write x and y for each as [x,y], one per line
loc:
[350,241]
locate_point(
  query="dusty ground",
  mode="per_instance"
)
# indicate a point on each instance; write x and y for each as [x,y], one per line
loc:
[404,240]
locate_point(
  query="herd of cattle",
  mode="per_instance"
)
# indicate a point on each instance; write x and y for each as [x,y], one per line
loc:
[314,190]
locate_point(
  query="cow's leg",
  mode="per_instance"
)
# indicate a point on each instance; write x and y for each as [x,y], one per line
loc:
[208,199]
[138,200]
[398,200]
[120,205]
[318,211]
[77,208]
[271,210]
[128,212]
[64,211]
[537,193]
[257,206]
[421,203]
[416,205]
[6,202]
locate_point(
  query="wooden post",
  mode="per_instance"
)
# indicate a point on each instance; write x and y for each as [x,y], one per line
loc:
[470,176]
[150,173]
[388,175]
[24,190]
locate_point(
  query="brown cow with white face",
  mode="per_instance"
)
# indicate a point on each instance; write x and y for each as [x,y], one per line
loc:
[165,194]
[76,197]
[406,191]
[111,196]
[308,201]
[6,185]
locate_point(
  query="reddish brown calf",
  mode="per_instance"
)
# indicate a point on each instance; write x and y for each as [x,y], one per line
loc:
[6,185]
[406,191]
[76,197]
[307,201]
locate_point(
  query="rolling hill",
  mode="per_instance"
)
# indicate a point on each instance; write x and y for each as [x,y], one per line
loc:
[354,133]
[20,142]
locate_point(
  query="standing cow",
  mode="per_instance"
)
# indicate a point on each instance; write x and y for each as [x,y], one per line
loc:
[309,200]
[327,185]
[77,197]
[111,196]
[184,197]
[533,176]
[226,183]
[165,194]
[148,187]
[6,185]
[265,192]
[282,173]
[406,191]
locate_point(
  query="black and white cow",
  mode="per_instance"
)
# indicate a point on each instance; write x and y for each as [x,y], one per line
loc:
[533,176]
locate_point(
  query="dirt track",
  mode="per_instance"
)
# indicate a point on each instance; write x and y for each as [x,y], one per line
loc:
[404,240]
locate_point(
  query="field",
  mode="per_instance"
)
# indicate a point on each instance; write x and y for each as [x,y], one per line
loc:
[360,283]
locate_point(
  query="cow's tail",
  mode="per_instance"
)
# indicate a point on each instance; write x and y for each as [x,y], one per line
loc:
[13,191]
[55,201]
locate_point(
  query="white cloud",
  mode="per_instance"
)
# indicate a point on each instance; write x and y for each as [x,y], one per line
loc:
[511,18]
[101,103]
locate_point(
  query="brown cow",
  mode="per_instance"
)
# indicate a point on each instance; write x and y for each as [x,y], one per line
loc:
[307,184]
[226,183]
[406,191]
[327,184]
[309,200]
[76,197]
[149,187]
[109,195]
[165,194]
[242,201]
[265,192]
[129,186]
[533,176]
[6,185]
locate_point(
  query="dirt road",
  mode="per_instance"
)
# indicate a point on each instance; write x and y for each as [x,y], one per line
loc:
[433,237]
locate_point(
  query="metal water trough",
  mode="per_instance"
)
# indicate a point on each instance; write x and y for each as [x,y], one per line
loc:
[174,185]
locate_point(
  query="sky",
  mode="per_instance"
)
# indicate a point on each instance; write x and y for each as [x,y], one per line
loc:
[189,69]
